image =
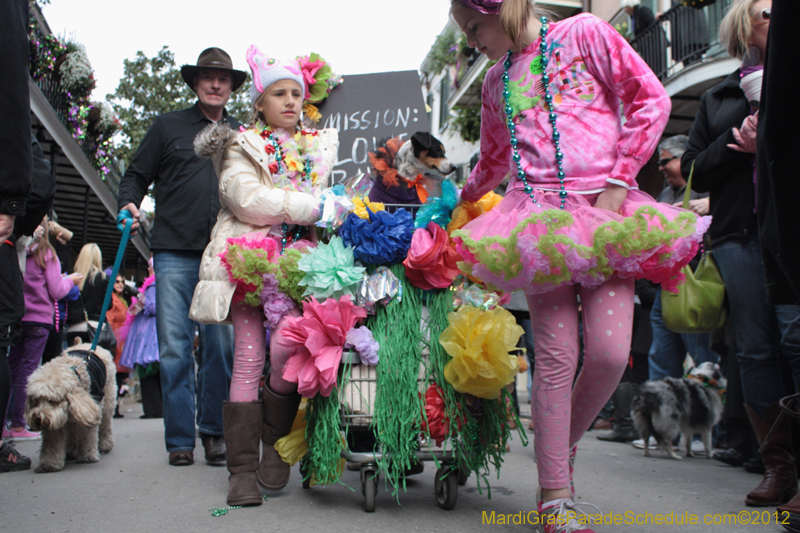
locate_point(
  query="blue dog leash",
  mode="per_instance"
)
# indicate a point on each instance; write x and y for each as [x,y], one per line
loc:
[126,218]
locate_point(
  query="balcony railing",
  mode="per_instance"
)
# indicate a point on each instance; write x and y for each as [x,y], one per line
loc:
[58,100]
[682,37]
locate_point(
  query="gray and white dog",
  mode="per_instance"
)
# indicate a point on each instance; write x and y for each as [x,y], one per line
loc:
[668,407]
[71,399]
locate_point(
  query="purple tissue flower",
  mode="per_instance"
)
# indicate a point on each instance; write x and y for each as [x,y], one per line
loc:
[365,344]
[275,303]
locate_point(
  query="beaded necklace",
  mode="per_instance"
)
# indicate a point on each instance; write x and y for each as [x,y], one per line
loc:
[269,135]
[287,237]
[512,128]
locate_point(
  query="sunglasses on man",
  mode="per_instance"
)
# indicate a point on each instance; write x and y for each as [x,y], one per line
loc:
[663,162]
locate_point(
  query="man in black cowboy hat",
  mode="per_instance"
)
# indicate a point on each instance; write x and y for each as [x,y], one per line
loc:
[187,202]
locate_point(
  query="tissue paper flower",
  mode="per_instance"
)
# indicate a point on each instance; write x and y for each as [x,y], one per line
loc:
[469,211]
[329,270]
[246,260]
[365,344]
[382,240]
[439,208]
[479,343]
[431,261]
[437,425]
[360,207]
[317,339]
[276,304]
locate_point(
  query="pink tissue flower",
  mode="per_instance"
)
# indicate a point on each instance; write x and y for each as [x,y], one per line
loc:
[317,339]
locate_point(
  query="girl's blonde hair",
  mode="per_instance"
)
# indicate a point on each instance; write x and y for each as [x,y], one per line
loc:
[89,263]
[514,16]
[736,28]
[44,250]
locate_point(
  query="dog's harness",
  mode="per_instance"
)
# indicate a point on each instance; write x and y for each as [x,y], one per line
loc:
[709,383]
[96,370]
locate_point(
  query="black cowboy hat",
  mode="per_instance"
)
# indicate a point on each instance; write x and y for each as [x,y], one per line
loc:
[213,58]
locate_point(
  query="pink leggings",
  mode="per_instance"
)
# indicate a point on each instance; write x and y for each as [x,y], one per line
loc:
[562,412]
[249,353]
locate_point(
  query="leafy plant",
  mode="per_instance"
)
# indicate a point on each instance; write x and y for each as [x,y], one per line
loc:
[444,51]
[467,122]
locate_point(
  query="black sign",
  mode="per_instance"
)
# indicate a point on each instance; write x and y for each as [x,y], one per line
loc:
[367,108]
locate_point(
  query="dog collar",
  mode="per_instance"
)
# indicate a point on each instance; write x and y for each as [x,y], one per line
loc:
[710,383]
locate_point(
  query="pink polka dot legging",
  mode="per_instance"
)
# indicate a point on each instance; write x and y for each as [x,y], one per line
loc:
[249,354]
[562,412]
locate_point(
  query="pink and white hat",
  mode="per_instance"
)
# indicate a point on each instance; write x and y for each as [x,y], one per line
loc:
[268,70]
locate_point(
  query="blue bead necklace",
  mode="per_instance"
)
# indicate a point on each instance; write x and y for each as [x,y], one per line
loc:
[512,128]
[285,235]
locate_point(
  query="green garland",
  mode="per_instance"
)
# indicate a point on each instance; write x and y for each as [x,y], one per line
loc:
[398,403]
[480,441]
[323,435]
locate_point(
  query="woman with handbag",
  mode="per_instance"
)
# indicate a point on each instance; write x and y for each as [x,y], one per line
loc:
[722,148]
[84,313]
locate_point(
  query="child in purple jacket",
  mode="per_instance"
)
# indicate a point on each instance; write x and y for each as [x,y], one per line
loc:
[43,287]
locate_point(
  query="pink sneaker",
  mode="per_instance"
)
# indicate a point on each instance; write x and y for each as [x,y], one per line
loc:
[24,434]
[6,433]
[563,516]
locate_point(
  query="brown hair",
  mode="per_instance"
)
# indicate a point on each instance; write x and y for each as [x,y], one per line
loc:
[44,249]
[736,28]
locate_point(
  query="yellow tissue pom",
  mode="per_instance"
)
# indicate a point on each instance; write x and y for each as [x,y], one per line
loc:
[360,207]
[469,211]
[293,446]
[479,343]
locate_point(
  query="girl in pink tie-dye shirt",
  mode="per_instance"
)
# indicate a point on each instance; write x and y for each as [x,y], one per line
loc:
[570,115]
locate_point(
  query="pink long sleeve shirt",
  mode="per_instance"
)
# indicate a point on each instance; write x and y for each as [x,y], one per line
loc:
[43,288]
[595,76]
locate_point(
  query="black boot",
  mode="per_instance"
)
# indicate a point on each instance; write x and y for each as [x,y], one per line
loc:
[151,396]
[623,429]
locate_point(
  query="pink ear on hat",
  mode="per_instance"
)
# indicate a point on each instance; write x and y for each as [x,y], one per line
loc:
[267,70]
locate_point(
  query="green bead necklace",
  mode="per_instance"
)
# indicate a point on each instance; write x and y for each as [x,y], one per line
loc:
[512,128]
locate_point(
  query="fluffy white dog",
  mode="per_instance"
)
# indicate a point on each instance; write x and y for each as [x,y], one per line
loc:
[71,400]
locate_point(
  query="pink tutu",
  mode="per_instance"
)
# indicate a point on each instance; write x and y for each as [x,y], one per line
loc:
[520,245]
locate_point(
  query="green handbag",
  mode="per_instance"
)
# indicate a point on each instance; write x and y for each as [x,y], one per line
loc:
[699,305]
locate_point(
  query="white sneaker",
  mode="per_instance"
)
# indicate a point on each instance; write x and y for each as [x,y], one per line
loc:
[563,517]
[698,448]
[639,443]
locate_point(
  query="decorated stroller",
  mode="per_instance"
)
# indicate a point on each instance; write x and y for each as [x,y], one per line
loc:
[434,390]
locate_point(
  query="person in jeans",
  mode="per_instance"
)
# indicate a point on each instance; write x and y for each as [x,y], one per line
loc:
[722,146]
[187,203]
[668,349]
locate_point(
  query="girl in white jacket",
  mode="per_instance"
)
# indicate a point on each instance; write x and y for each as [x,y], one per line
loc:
[270,181]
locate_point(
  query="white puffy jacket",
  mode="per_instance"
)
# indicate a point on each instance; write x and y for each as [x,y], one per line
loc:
[249,203]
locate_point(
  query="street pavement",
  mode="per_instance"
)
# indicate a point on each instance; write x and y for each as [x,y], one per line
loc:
[134,489]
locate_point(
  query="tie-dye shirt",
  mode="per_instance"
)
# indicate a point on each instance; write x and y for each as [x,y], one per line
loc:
[592,71]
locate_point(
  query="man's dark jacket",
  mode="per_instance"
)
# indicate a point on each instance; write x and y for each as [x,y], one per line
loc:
[778,166]
[186,187]
[725,173]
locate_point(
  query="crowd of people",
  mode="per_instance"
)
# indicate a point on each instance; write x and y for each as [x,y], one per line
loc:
[573,232]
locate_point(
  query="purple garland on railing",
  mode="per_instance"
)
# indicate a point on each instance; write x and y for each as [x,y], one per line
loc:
[45,51]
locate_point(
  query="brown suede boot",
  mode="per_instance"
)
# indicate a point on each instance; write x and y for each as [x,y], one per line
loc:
[240,420]
[780,474]
[789,515]
[279,412]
